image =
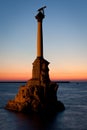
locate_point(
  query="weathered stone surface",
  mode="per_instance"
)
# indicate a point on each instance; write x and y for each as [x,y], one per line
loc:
[33,98]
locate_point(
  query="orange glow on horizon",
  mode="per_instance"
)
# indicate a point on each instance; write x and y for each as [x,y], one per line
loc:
[14,76]
[69,76]
[53,76]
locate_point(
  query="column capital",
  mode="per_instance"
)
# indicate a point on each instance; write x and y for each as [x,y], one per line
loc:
[40,16]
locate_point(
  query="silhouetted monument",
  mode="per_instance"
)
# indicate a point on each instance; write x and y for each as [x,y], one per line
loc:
[39,93]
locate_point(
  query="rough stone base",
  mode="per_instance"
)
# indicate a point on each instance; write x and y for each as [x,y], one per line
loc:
[36,99]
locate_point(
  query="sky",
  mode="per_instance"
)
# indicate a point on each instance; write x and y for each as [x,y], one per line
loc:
[64,38]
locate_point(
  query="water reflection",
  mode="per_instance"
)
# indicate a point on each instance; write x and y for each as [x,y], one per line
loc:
[35,121]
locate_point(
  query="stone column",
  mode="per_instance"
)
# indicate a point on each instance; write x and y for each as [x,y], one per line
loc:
[39,18]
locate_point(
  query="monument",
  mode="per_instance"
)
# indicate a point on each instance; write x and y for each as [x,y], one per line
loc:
[39,93]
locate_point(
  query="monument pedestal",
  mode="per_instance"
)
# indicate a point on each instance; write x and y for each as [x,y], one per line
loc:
[38,94]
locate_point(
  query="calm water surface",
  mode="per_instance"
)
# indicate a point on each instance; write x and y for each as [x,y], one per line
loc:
[74,97]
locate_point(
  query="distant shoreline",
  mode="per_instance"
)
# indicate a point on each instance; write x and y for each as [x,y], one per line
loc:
[52,81]
[26,81]
[62,81]
[13,81]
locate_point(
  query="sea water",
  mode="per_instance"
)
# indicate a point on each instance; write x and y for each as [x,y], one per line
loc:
[74,117]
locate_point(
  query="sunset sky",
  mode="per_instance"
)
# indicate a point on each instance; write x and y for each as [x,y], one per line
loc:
[64,33]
